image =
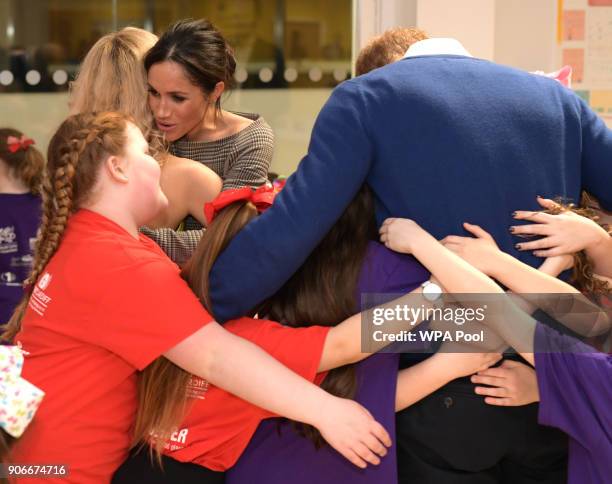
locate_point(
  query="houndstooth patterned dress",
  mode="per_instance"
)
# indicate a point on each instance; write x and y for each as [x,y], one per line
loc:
[242,159]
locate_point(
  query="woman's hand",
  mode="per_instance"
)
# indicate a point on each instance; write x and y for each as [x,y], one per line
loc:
[511,384]
[564,233]
[352,431]
[401,234]
[480,251]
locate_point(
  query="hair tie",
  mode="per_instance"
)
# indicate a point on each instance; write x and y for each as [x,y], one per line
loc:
[14,144]
[262,198]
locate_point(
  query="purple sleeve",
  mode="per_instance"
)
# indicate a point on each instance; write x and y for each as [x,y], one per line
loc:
[575,384]
[387,272]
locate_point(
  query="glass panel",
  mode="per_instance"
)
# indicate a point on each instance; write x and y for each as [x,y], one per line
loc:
[284,49]
[42,41]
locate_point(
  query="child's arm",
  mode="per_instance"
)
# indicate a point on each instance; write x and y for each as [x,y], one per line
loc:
[566,233]
[426,377]
[343,343]
[482,252]
[212,353]
[538,288]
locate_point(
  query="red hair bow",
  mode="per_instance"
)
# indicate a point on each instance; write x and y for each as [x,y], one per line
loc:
[14,144]
[262,198]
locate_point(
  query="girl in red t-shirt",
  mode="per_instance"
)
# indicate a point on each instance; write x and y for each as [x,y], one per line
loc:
[103,302]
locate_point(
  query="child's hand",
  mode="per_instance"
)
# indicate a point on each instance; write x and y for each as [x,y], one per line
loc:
[557,264]
[511,384]
[480,251]
[401,234]
[352,431]
[564,233]
[460,364]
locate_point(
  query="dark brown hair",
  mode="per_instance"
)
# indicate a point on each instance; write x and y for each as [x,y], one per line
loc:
[75,154]
[200,49]
[26,164]
[321,292]
[386,48]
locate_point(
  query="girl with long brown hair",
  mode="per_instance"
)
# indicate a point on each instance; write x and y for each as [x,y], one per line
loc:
[103,302]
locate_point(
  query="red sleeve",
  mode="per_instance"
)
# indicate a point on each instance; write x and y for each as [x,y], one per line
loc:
[149,310]
[299,349]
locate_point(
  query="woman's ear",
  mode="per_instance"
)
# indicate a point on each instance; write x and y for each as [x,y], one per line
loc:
[217,91]
[116,168]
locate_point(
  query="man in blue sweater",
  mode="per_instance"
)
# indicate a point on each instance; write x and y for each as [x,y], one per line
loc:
[442,138]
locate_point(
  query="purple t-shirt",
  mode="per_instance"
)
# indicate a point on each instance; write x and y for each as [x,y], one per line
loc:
[277,454]
[19,221]
[575,384]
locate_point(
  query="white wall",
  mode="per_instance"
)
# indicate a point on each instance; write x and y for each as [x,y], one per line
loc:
[470,21]
[520,33]
[526,34]
[290,112]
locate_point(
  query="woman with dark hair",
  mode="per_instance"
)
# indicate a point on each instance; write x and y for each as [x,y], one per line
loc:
[188,69]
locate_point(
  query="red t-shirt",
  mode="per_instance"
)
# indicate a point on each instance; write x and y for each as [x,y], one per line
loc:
[219,425]
[105,306]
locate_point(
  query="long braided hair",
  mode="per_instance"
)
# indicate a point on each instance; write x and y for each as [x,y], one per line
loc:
[75,154]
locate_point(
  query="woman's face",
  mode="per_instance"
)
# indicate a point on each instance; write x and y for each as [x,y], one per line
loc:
[177,104]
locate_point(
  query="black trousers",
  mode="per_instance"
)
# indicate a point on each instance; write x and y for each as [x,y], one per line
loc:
[139,469]
[453,437]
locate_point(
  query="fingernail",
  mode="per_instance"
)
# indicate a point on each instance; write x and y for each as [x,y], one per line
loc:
[539,196]
[512,230]
[514,214]
[517,246]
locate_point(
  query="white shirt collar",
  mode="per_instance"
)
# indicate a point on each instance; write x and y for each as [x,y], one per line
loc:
[437,47]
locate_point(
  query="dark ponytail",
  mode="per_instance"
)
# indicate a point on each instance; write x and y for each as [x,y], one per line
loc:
[198,47]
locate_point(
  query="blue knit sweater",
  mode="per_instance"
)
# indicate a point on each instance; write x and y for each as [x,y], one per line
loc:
[440,139]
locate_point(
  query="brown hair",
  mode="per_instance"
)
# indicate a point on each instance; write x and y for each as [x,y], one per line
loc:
[76,151]
[388,47]
[200,49]
[112,77]
[26,164]
[583,276]
[162,387]
[321,292]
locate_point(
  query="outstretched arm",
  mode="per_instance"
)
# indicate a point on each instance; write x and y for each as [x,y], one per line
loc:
[212,353]
[536,287]
[268,250]
[343,344]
